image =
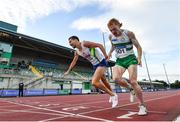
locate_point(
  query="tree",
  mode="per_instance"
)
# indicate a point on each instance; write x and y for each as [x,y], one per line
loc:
[176,84]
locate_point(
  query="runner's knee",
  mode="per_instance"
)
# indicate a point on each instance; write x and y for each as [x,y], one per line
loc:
[116,78]
[133,83]
[103,78]
[94,83]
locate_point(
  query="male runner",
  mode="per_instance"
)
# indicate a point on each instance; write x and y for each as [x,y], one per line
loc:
[89,50]
[122,42]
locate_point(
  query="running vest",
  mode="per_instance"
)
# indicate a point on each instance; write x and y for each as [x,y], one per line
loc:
[91,54]
[123,45]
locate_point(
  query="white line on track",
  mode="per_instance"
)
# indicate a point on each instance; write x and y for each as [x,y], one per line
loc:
[41,108]
[54,118]
[77,115]
[27,111]
[128,104]
[9,106]
[135,110]
[61,112]
[80,114]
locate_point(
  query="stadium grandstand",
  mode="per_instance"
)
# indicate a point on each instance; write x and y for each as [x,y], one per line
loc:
[40,66]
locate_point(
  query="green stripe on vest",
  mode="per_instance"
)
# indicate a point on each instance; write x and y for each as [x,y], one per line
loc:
[122,44]
[92,52]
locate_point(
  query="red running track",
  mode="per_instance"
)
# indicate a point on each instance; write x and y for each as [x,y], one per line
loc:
[162,106]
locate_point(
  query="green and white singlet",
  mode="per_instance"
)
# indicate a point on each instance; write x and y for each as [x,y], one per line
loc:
[91,54]
[124,50]
[123,45]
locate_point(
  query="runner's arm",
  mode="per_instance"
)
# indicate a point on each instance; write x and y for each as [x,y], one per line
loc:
[135,42]
[94,45]
[112,47]
[73,63]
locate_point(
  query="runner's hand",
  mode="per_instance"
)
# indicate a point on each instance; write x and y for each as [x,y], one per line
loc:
[139,62]
[108,57]
[66,73]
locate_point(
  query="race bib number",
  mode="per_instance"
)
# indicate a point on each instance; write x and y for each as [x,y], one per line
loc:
[121,51]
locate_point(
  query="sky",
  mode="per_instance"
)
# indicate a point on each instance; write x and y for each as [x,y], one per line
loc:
[156,24]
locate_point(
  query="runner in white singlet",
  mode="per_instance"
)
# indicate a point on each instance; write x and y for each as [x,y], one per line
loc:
[89,50]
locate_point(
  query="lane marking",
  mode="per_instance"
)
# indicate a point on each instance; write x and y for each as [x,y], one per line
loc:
[74,108]
[27,111]
[127,116]
[71,114]
[95,118]
[54,118]
[8,106]
[155,112]
[77,115]
[61,112]
[128,104]
[46,105]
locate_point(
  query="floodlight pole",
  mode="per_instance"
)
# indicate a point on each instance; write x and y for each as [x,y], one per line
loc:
[166,75]
[147,70]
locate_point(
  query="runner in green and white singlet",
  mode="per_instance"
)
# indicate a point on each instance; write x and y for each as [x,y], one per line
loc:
[122,42]
[124,50]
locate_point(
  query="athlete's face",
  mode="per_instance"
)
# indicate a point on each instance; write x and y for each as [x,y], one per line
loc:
[73,42]
[115,29]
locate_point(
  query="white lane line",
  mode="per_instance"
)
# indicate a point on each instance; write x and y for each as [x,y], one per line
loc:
[9,106]
[128,104]
[95,118]
[6,109]
[135,110]
[61,112]
[54,118]
[27,111]
[128,115]
[77,115]
[71,114]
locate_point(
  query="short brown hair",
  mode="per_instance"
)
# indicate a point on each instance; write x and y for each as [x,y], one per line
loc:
[113,20]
